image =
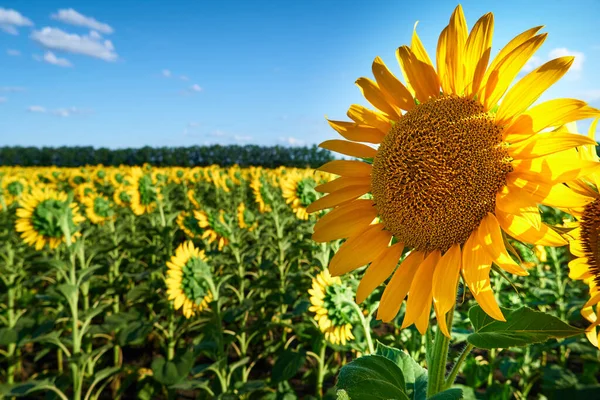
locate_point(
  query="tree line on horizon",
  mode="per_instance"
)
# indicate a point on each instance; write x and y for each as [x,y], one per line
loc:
[248,155]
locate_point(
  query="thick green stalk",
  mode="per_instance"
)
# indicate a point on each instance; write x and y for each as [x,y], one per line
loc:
[439,357]
[171,337]
[321,369]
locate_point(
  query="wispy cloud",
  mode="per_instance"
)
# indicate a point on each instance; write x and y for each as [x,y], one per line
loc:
[3,100]
[575,69]
[292,141]
[195,88]
[242,138]
[590,95]
[72,17]
[51,58]
[88,45]
[10,20]
[13,52]
[11,89]
[166,73]
[36,109]
[184,78]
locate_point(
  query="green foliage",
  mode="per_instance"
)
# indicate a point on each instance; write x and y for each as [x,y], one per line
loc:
[372,377]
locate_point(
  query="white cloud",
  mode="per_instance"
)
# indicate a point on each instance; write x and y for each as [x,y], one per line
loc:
[95,35]
[166,73]
[12,52]
[563,51]
[590,95]
[36,109]
[218,133]
[532,64]
[292,141]
[196,88]
[193,124]
[240,138]
[66,112]
[184,78]
[3,99]
[11,19]
[72,17]
[57,39]
[51,58]
[12,89]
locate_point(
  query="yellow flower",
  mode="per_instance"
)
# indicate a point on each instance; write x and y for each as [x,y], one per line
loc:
[214,227]
[328,297]
[39,218]
[12,188]
[98,209]
[245,217]
[298,190]
[188,223]
[258,188]
[143,190]
[585,237]
[121,196]
[454,171]
[188,280]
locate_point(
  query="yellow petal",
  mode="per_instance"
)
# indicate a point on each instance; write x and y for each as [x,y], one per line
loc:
[417,47]
[349,168]
[394,90]
[349,148]
[420,295]
[440,61]
[521,229]
[362,115]
[357,132]
[530,88]
[549,113]
[499,77]
[553,195]
[339,197]
[375,96]
[360,250]
[563,166]
[419,75]
[379,270]
[341,183]
[477,53]
[476,264]
[457,37]
[490,237]
[547,143]
[344,221]
[398,286]
[444,285]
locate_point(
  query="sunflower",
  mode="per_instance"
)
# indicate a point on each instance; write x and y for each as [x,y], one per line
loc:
[121,196]
[189,280]
[246,219]
[13,188]
[84,190]
[453,170]
[39,218]
[584,238]
[214,227]
[191,195]
[329,298]
[188,223]
[258,185]
[143,191]
[298,189]
[98,209]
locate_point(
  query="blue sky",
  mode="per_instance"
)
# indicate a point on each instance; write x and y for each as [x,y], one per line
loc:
[177,73]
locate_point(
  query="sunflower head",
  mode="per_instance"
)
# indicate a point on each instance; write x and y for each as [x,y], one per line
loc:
[214,227]
[262,195]
[188,223]
[189,280]
[245,217]
[122,196]
[98,209]
[464,160]
[330,299]
[298,190]
[143,191]
[45,216]
[12,188]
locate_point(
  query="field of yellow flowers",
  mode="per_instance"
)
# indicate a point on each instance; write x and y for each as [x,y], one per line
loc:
[156,283]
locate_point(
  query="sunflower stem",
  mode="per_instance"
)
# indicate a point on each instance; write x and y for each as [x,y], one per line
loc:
[439,357]
[321,371]
[456,368]
[365,322]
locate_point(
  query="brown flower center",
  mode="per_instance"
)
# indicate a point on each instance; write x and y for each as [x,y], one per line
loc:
[590,236]
[437,172]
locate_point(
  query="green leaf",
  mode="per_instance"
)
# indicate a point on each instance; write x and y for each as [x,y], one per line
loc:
[287,365]
[372,377]
[8,336]
[172,372]
[449,394]
[415,376]
[67,290]
[134,333]
[522,327]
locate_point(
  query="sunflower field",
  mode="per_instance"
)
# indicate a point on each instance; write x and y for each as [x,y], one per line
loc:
[454,253]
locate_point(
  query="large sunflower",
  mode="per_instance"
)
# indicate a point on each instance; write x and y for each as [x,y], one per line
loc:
[584,239]
[188,280]
[39,218]
[143,191]
[329,298]
[454,171]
